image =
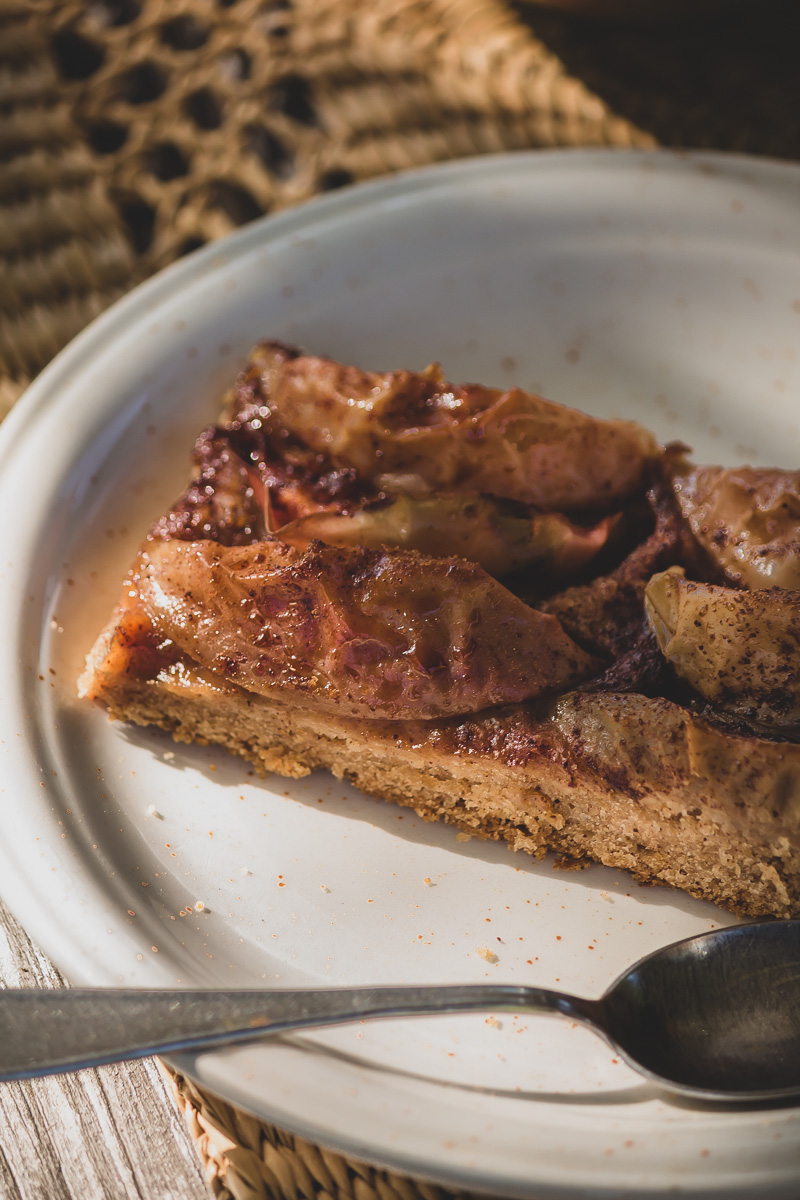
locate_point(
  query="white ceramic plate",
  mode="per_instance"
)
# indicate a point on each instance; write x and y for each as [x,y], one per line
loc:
[650,286]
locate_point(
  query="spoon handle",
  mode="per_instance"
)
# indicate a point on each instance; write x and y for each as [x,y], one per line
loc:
[43,1032]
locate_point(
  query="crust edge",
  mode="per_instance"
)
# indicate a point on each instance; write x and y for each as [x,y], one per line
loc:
[681,832]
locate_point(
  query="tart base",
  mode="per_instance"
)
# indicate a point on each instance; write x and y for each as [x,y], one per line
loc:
[615,778]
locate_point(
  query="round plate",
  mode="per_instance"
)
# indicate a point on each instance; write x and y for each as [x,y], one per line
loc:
[652,286]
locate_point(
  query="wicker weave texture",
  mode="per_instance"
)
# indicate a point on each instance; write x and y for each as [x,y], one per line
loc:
[132,131]
[64,253]
[249,1160]
[204,119]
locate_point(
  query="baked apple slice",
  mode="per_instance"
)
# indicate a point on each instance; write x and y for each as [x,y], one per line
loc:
[747,519]
[502,537]
[361,632]
[740,650]
[414,432]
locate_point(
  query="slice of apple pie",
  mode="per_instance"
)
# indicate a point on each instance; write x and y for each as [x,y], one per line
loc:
[540,626]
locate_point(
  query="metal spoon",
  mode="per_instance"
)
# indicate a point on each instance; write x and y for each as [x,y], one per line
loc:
[715,1016]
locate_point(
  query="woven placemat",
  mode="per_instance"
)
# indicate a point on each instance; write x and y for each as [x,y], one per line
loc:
[133,131]
[247,1159]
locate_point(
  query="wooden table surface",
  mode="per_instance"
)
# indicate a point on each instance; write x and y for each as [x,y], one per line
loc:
[106,1134]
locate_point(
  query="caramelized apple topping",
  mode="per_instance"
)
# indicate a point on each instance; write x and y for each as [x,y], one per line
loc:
[738,649]
[498,535]
[368,633]
[220,503]
[416,433]
[605,615]
[747,520]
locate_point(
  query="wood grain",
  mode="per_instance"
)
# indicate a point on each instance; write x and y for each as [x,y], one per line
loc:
[106,1134]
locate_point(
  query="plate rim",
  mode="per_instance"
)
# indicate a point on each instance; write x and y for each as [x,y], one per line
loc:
[176,275]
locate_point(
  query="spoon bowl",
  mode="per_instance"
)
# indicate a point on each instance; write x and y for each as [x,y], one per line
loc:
[716,1016]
